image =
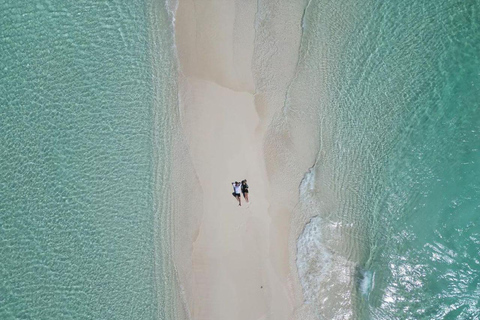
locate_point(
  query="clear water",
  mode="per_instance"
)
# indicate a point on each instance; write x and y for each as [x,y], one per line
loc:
[398,92]
[84,95]
[84,133]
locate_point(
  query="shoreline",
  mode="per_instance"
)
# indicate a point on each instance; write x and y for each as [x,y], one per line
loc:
[245,67]
[232,262]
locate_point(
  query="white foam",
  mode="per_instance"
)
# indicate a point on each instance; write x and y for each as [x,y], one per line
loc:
[313,259]
[172,6]
[307,186]
[367,282]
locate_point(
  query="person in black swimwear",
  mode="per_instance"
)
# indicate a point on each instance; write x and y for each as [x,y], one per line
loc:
[245,189]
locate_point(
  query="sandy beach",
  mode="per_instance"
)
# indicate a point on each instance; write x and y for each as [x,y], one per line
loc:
[233,262]
[124,123]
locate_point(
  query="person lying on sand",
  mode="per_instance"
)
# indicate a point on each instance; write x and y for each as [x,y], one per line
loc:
[245,189]
[236,191]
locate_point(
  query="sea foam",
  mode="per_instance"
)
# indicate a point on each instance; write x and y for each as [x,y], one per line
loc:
[313,258]
[366,282]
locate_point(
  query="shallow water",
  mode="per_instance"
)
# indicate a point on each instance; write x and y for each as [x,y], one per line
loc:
[85,125]
[83,148]
[397,87]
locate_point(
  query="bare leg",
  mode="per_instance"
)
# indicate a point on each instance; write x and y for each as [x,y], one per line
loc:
[239,200]
[245,195]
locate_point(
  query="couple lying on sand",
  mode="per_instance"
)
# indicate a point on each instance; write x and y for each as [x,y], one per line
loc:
[236,190]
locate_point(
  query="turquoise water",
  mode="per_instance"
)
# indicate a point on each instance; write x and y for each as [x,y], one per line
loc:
[84,150]
[84,95]
[400,108]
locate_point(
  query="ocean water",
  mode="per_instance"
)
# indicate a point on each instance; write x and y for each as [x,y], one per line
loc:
[85,92]
[394,196]
[397,89]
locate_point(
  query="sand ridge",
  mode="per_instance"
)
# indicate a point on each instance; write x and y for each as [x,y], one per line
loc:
[237,263]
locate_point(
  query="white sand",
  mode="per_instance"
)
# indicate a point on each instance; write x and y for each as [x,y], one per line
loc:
[233,262]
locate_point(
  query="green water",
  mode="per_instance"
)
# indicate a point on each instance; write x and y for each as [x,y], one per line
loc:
[83,147]
[86,94]
[400,105]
